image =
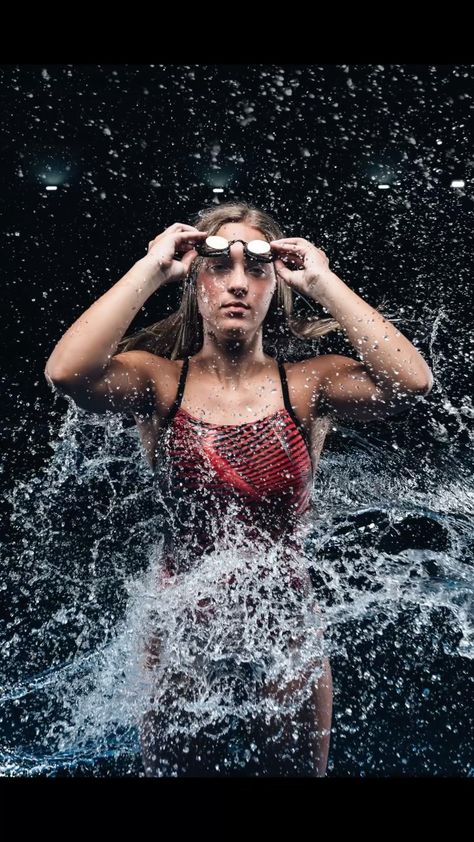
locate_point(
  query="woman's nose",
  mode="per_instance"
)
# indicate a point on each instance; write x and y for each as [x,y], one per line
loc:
[237,277]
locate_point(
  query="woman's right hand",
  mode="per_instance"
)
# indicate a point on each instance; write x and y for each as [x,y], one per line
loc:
[163,250]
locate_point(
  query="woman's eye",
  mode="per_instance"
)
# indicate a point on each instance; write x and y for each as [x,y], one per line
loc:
[258,271]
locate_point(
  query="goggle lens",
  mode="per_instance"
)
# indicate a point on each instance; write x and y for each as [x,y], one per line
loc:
[214,246]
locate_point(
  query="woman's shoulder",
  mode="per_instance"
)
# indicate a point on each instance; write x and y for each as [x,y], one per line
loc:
[147,357]
[304,386]
[307,380]
[161,373]
[305,373]
[155,364]
[321,365]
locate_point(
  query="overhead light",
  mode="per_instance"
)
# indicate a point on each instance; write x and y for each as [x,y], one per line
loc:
[54,175]
[457,183]
[217,189]
[52,187]
[383,186]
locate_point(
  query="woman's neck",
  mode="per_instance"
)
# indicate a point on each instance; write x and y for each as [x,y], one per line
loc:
[232,360]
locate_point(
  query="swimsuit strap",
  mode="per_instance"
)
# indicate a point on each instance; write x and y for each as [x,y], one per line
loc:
[288,406]
[179,394]
[284,387]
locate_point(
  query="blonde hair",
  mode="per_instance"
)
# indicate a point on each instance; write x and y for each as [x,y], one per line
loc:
[181,334]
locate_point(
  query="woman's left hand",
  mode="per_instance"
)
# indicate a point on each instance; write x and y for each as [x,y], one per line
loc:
[308,264]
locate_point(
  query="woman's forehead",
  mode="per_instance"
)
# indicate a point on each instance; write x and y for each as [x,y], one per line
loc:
[240,231]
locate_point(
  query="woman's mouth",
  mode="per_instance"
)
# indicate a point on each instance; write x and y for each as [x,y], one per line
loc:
[236,309]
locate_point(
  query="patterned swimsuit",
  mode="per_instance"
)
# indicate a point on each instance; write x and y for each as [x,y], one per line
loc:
[223,481]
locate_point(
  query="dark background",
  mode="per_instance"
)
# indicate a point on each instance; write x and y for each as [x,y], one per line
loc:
[133,148]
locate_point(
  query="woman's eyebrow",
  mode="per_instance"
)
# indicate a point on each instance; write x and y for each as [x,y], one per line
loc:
[228,259]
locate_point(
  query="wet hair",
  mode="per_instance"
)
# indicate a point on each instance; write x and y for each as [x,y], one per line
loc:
[181,334]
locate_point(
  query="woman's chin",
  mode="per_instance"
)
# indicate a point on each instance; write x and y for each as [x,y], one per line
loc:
[230,330]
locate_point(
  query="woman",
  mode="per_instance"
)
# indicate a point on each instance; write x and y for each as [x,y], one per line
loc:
[236,430]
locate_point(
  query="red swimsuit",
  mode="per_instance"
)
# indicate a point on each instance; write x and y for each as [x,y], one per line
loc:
[257,475]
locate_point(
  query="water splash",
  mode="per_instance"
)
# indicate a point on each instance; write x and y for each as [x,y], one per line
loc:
[384,548]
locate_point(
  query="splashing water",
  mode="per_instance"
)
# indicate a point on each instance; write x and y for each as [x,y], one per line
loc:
[94,645]
[390,540]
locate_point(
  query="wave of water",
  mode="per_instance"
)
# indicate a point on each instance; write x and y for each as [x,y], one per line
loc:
[389,548]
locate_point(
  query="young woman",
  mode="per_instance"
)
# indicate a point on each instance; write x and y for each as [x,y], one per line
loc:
[230,426]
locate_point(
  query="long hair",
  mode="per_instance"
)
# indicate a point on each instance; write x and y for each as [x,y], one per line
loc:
[181,333]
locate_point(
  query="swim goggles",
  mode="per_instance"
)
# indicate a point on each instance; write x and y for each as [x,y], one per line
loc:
[218,246]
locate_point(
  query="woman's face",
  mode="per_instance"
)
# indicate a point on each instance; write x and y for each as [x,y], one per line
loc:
[235,278]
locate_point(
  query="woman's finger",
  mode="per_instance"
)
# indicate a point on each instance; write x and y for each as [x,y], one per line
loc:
[181,226]
[290,240]
[281,246]
[191,235]
[282,270]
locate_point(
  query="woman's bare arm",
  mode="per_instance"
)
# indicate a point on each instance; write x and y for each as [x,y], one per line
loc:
[128,384]
[87,347]
[83,364]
